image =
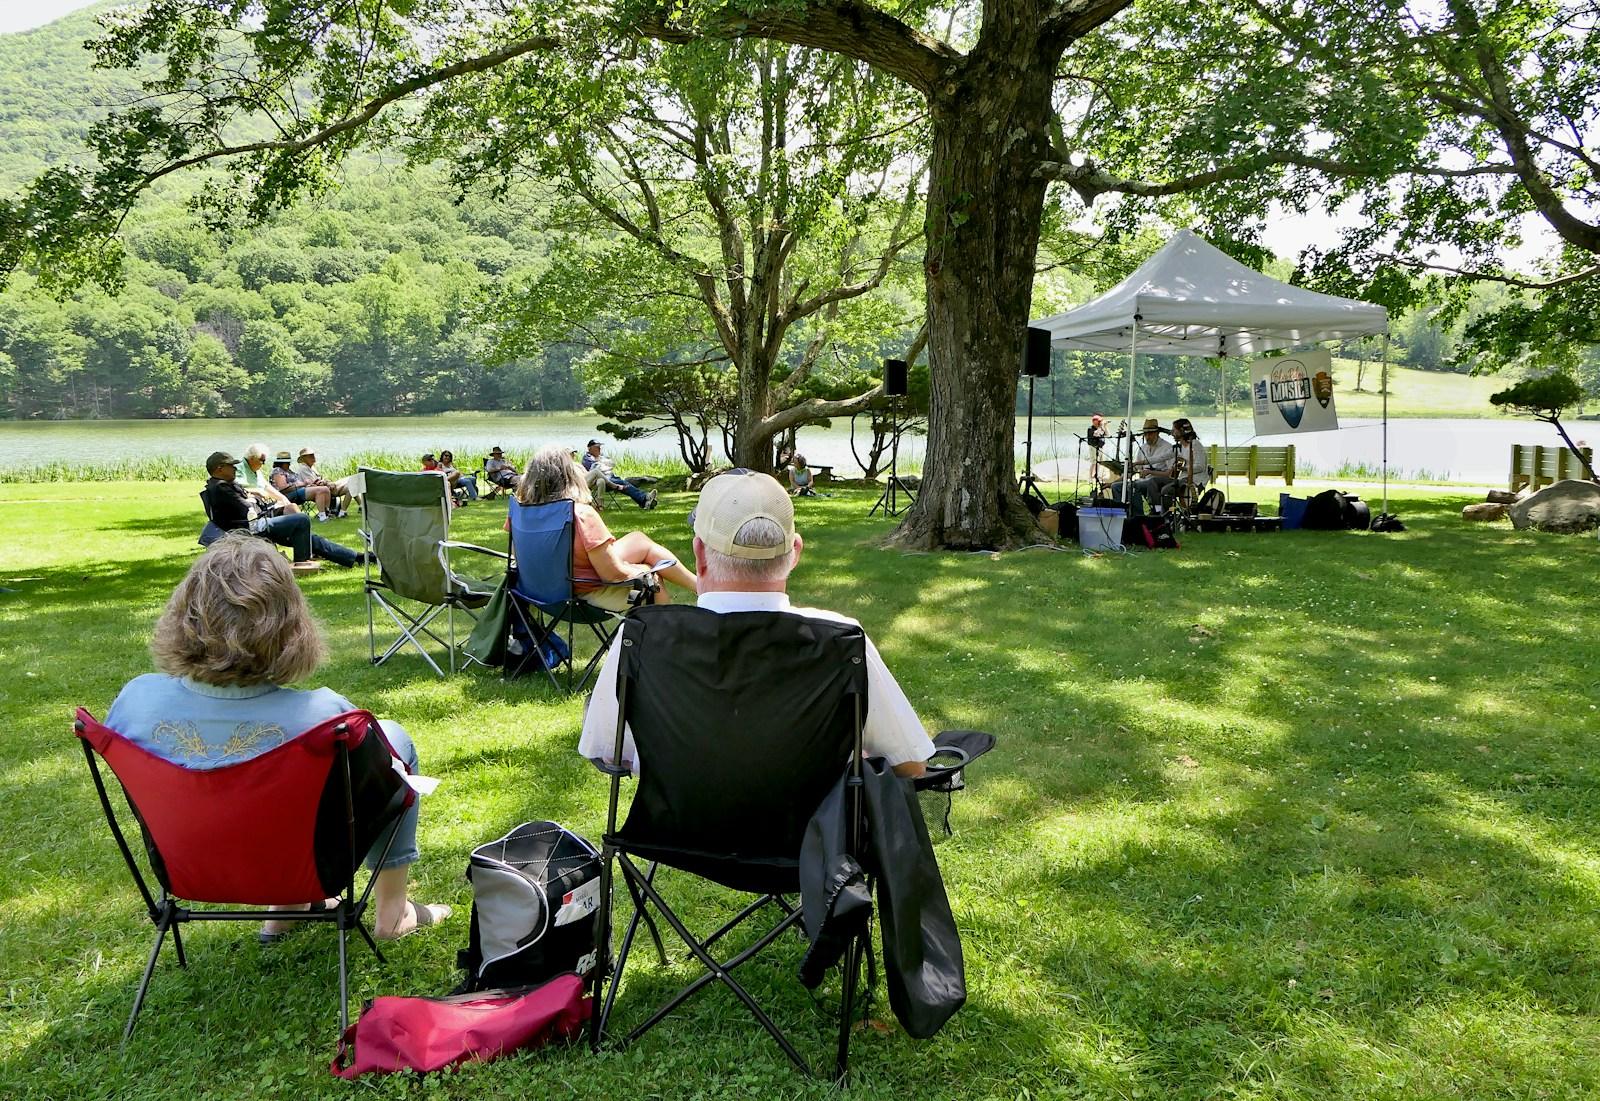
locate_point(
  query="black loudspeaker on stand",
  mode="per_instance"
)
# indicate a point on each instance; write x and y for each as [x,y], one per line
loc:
[1035,365]
[895,385]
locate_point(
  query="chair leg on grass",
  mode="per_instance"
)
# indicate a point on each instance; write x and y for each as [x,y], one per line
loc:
[177,944]
[716,971]
[344,985]
[162,924]
[841,1065]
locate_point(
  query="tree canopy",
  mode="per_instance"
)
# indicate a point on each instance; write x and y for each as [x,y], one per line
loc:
[1424,117]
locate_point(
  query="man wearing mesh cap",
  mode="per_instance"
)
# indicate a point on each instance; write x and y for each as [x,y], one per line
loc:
[745,547]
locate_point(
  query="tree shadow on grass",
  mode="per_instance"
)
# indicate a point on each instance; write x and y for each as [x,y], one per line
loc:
[1199,864]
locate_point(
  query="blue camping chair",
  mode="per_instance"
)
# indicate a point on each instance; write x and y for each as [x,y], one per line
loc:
[539,583]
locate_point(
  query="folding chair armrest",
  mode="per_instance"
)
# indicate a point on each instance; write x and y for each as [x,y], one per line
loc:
[449,544]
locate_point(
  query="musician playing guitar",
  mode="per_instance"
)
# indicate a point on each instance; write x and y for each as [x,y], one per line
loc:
[1156,461]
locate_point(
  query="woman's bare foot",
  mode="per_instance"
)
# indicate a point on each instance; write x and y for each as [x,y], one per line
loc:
[415,915]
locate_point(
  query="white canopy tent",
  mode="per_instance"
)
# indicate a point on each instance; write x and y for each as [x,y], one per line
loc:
[1192,299]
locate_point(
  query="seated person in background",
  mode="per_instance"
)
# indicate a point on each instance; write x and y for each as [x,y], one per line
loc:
[597,555]
[745,547]
[801,483]
[1156,460]
[500,473]
[1194,461]
[286,482]
[466,483]
[236,631]
[230,508]
[256,477]
[598,472]
[306,471]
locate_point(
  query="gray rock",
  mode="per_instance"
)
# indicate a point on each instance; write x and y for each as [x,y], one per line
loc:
[1501,497]
[1564,507]
[1494,510]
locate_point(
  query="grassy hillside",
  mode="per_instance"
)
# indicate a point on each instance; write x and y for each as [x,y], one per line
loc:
[50,96]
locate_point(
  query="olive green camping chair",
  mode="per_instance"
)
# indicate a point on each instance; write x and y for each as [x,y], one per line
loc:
[406,525]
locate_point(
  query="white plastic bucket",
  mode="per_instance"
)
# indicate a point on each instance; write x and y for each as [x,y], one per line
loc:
[1100,528]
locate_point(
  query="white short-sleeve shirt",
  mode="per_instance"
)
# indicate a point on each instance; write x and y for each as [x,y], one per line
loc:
[892,732]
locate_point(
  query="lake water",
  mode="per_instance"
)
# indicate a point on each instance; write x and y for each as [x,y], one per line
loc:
[1457,450]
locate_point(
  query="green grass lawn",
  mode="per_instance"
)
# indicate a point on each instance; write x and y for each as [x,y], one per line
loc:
[1298,816]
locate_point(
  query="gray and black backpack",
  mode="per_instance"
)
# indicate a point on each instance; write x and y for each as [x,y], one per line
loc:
[535,904]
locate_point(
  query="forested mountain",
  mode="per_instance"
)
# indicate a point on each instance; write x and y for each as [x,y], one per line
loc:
[50,94]
[370,301]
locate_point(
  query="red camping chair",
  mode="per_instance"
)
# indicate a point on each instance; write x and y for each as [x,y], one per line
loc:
[284,828]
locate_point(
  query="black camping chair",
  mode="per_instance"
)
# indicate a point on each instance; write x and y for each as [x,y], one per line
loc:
[742,722]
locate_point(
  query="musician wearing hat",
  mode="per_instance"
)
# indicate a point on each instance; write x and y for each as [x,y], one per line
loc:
[1154,467]
[745,546]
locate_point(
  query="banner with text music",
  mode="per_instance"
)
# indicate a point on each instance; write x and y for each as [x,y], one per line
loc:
[1293,393]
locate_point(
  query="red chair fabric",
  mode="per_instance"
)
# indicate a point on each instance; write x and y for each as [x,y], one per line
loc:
[269,831]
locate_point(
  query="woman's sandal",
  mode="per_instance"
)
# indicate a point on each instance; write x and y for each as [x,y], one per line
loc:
[264,937]
[426,914]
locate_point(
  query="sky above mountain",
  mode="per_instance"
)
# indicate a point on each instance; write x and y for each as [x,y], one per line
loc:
[23,15]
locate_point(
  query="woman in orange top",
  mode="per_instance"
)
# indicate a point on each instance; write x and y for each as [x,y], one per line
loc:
[597,555]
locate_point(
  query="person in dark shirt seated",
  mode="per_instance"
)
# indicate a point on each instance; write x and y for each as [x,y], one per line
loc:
[230,508]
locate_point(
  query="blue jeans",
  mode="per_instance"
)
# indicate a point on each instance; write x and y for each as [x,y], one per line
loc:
[469,482]
[295,533]
[634,493]
[404,850]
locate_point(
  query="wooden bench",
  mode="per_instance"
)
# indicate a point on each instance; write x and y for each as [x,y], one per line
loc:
[1254,462]
[823,472]
[1537,465]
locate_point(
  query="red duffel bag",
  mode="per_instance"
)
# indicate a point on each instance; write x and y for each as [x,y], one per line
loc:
[424,1034]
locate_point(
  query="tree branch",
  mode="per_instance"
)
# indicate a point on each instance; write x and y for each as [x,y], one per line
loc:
[367,113]
[815,409]
[849,27]
[1091,181]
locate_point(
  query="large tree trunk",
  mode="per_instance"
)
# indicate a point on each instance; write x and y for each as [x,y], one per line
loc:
[752,436]
[985,205]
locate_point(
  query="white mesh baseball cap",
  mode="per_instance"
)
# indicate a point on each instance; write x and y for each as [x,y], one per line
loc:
[730,501]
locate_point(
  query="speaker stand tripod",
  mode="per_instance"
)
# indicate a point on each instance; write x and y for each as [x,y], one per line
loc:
[1028,485]
[889,499]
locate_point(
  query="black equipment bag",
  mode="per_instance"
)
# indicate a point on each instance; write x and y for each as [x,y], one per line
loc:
[1212,501]
[1325,511]
[1331,510]
[1067,519]
[1154,532]
[535,902]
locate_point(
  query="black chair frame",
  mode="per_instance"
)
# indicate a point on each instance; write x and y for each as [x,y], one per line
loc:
[165,912]
[641,886]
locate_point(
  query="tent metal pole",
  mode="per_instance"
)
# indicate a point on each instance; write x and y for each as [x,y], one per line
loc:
[1384,384]
[1127,424]
[1227,399]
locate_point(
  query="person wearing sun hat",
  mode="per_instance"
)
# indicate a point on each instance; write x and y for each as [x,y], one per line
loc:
[745,548]
[1153,467]
[499,472]
[229,508]
[306,471]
